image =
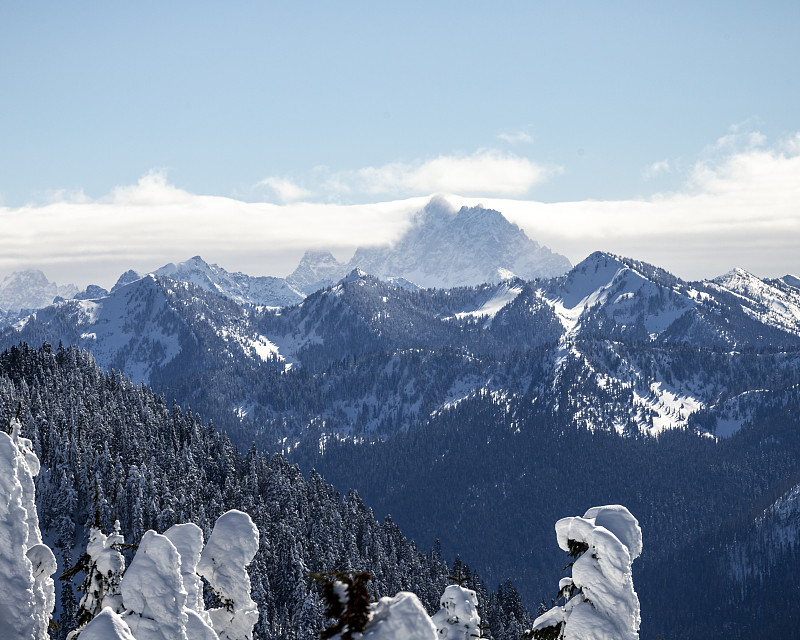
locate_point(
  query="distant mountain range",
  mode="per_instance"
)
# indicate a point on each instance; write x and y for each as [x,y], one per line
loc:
[615,382]
[442,248]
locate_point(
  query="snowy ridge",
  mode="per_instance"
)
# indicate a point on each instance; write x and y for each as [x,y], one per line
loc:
[245,289]
[775,303]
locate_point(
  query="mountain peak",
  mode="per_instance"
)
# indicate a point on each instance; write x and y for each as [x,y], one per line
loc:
[317,269]
[30,289]
[126,278]
[792,281]
[444,248]
[355,275]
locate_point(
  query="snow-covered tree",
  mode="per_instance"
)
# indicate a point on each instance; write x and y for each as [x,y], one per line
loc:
[230,548]
[27,591]
[188,540]
[601,603]
[104,565]
[458,618]
[153,593]
[356,618]
[400,617]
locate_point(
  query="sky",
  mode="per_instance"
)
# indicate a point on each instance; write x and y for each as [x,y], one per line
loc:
[135,134]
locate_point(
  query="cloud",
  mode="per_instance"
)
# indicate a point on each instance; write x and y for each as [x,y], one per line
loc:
[152,189]
[657,168]
[487,172]
[516,138]
[738,208]
[285,189]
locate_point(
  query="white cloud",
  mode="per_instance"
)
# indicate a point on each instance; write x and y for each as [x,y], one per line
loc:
[487,171]
[285,189]
[516,138]
[739,209]
[657,168]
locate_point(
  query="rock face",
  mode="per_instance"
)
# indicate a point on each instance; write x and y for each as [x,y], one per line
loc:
[443,248]
[31,290]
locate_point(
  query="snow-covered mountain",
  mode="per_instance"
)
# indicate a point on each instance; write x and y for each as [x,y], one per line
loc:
[443,248]
[31,289]
[446,249]
[245,289]
[616,344]
[513,381]
[317,270]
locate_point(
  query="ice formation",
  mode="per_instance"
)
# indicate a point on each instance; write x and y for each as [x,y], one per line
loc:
[400,617]
[188,540]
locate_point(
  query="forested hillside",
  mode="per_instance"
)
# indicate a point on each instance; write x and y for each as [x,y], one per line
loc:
[107,443]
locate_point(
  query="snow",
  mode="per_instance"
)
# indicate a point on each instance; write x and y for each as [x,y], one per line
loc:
[458,618]
[153,592]
[109,563]
[265,349]
[16,580]
[188,540]
[503,295]
[230,548]
[27,591]
[402,617]
[771,305]
[107,625]
[605,606]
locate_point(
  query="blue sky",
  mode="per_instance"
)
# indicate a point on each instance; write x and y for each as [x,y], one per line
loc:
[355,103]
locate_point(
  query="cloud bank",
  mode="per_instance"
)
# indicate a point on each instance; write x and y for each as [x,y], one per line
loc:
[487,172]
[739,207]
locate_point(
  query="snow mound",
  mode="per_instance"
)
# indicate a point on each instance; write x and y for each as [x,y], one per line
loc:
[107,625]
[400,617]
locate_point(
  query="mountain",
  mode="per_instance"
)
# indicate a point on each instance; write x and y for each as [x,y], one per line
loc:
[245,289]
[317,270]
[114,450]
[442,248]
[446,249]
[31,289]
[520,401]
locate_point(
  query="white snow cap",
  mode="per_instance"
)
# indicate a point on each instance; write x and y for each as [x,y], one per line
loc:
[606,606]
[458,618]
[107,625]
[153,593]
[230,548]
[400,617]
[27,592]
